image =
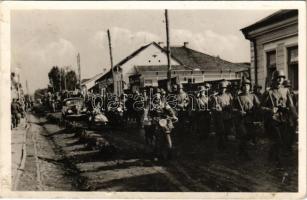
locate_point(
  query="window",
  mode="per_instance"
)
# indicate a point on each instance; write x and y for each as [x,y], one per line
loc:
[293,66]
[148,82]
[270,64]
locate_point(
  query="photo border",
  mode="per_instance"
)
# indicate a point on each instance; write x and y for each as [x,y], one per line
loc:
[5,60]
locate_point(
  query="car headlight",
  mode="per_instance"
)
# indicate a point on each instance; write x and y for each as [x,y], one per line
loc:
[69,111]
[84,109]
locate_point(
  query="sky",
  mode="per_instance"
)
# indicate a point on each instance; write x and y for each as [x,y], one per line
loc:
[41,39]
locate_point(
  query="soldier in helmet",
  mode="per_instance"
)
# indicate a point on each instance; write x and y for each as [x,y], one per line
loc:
[203,115]
[161,110]
[182,100]
[221,105]
[280,110]
[246,105]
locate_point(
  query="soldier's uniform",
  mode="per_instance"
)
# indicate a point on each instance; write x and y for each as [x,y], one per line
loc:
[181,110]
[14,112]
[203,116]
[221,106]
[246,106]
[293,121]
[278,102]
[162,110]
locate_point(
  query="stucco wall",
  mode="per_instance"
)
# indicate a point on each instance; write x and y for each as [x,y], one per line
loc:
[278,40]
[152,55]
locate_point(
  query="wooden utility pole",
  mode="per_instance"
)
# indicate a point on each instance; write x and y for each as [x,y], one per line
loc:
[168,51]
[79,70]
[115,85]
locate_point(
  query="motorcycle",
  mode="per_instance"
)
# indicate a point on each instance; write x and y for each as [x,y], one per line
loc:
[163,145]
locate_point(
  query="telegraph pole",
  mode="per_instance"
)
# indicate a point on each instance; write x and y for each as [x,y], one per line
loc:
[79,70]
[115,89]
[168,51]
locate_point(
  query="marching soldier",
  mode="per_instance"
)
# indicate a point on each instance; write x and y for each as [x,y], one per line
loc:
[287,84]
[257,91]
[183,101]
[203,115]
[221,104]
[278,102]
[246,106]
[293,124]
[182,98]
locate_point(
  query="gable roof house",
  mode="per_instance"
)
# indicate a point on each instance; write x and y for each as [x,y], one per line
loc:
[149,64]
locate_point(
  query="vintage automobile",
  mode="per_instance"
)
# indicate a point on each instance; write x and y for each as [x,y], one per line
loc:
[74,112]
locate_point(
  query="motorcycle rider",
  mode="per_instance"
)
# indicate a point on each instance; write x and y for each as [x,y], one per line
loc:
[163,117]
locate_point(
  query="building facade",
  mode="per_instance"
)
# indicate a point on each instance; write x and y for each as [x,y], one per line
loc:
[148,64]
[274,46]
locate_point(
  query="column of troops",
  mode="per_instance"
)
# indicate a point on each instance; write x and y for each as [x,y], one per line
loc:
[243,112]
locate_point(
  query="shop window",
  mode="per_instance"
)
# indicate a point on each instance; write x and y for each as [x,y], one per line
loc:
[293,66]
[270,64]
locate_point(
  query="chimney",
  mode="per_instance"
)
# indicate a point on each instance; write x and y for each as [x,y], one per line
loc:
[185,44]
[160,43]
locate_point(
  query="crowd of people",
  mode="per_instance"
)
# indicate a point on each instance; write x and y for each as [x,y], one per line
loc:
[242,112]
[19,107]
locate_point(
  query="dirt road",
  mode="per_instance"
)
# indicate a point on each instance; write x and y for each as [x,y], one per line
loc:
[58,160]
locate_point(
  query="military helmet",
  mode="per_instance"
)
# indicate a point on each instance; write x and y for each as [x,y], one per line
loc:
[158,91]
[246,82]
[207,85]
[202,88]
[278,73]
[162,91]
[223,84]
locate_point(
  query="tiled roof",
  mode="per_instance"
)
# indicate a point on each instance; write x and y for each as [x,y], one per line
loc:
[155,68]
[188,58]
[202,61]
[275,17]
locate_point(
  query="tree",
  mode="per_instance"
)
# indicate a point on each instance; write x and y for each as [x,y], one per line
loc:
[60,79]
[54,78]
[71,80]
